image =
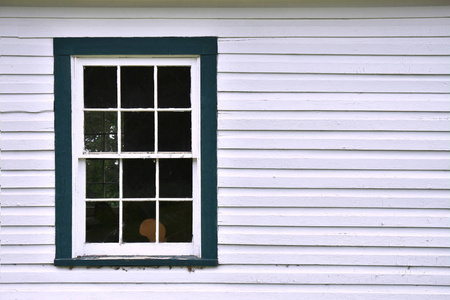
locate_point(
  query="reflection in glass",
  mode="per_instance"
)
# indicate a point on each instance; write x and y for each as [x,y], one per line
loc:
[100,87]
[102,178]
[139,178]
[177,219]
[175,178]
[100,131]
[174,131]
[138,131]
[137,87]
[102,222]
[174,87]
[134,214]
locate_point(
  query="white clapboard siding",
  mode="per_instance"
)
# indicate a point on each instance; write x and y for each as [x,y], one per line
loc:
[26,84]
[334,179]
[242,275]
[331,217]
[28,216]
[28,197]
[339,140]
[31,103]
[340,121]
[368,198]
[19,65]
[332,102]
[28,160]
[271,255]
[28,179]
[226,291]
[354,237]
[28,235]
[230,13]
[263,82]
[344,160]
[26,47]
[313,255]
[338,46]
[333,64]
[49,27]
[28,254]
[333,154]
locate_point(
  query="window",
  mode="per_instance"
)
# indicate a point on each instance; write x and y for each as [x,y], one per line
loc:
[135,143]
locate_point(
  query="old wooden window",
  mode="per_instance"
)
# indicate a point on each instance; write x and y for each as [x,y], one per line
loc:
[141,157]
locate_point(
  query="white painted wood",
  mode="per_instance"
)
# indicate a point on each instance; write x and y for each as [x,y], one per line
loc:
[32,84]
[339,140]
[25,254]
[345,198]
[244,178]
[337,46]
[246,275]
[19,65]
[344,160]
[329,121]
[334,64]
[331,83]
[301,255]
[28,216]
[26,47]
[28,197]
[332,102]
[227,291]
[229,13]
[28,235]
[332,217]
[361,237]
[28,179]
[42,27]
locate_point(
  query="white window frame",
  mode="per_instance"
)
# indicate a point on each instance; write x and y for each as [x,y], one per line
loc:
[79,156]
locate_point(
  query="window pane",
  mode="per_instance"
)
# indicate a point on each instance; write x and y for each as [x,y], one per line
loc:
[102,222]
[139,178]
[100,87]
[100,131]
[137,87]
[138,218]
[175,178]
[174,131]
[138,131]
[174,87]
[177,218]
[102,178]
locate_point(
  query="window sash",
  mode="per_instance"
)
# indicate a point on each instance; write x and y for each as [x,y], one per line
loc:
[79,156]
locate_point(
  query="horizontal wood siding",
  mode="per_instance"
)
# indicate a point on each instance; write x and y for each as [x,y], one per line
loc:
[333,154]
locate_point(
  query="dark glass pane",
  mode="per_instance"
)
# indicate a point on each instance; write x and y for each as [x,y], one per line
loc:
[174,87]
[102,178]
[102,222]
[139,178]
[174,131]
[100,87]
[175,178]
[139,222]
[138,131]
[100,131]
[177,218]
[137,87]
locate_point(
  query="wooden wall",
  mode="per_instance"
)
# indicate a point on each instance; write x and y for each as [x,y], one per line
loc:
[333,147]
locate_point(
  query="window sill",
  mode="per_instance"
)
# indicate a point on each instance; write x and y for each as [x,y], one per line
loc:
[191,261]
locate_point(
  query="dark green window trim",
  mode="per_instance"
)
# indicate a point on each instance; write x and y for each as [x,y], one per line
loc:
[206,48]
